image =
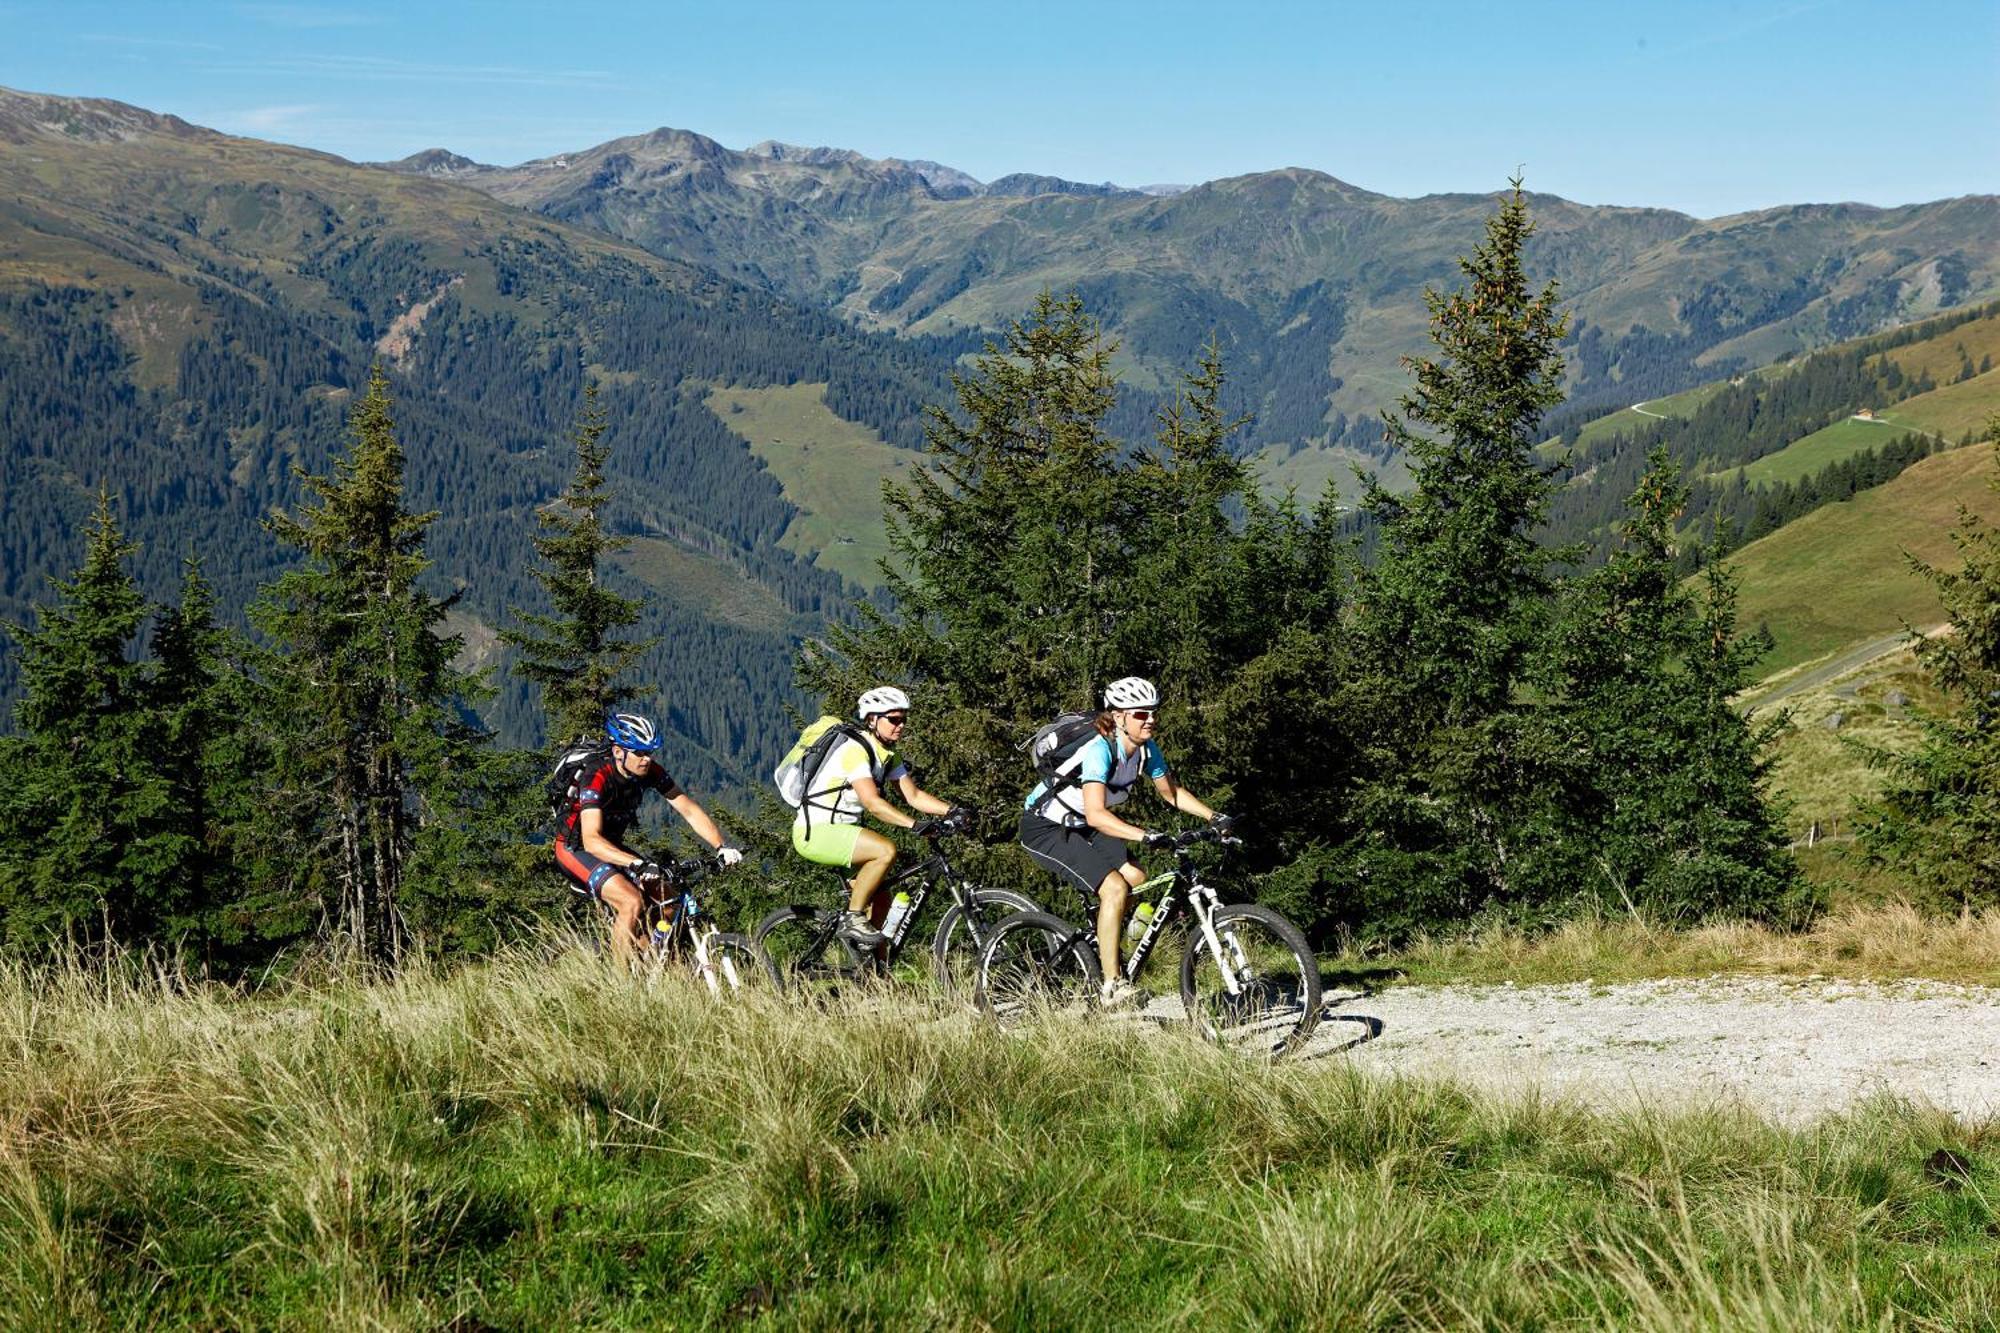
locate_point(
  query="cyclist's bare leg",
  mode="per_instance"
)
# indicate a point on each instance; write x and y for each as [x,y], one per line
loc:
[873,854]
[1111,898]
[627,905]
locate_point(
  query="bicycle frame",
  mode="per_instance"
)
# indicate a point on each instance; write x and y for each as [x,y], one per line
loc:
[1184,890]
[675,891]
[926,875]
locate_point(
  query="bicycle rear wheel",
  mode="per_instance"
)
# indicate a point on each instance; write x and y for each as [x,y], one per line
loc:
[806,953]
[1261,996]
[1035,964]
[954,952]
[736,965]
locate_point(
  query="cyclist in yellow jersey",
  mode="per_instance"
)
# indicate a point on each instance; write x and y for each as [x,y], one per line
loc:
[849,782]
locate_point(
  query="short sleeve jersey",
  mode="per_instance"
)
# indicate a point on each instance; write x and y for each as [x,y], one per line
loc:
[1095,762]
[833,785]
[617,796]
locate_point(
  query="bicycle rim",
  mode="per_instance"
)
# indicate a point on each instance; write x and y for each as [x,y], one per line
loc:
[1262,995]
[955,954]
[809,962]
[1034,965]
[737,965]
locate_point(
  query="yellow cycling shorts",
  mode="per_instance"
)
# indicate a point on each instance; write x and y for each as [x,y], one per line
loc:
[826,844]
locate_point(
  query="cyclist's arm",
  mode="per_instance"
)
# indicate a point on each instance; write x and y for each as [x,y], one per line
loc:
[872,800]
[697,819]
[919,799]
[1180,798]
[1099,816]
[590,824]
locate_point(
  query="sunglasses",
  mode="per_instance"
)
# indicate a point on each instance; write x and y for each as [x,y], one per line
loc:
[896,719]
[1139,714]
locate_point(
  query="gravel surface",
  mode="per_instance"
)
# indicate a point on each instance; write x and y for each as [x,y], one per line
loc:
[1791,1048]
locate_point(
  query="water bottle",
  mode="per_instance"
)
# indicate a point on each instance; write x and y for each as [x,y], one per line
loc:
[1135,929]
[662,928]
[899,907]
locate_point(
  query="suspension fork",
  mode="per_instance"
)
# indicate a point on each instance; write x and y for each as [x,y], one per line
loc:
[1228,960]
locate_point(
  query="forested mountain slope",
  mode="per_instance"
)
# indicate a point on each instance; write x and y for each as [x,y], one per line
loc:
[185,315]
[1311,284]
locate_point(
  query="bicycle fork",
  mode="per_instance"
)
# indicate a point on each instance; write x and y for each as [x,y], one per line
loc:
[1227,950]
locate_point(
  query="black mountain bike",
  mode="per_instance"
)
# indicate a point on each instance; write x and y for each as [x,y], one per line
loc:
[725,962]
[1248,979]
[806,949]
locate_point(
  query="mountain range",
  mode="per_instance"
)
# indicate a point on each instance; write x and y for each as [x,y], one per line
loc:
[1313,286]
[185,315]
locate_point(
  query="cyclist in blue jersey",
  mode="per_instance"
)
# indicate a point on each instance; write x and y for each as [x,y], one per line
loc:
[1069,826]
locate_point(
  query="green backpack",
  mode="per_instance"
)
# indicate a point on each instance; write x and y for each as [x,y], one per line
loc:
[797,771]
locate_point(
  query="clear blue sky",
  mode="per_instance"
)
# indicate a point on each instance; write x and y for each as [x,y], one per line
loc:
[1703,105]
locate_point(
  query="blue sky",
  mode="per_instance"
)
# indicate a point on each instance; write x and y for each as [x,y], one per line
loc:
[1703,105]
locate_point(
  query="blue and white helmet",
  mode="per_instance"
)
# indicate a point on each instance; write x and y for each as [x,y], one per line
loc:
[633,731]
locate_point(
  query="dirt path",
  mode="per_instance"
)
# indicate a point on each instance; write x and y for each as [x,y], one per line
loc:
[1793,1049]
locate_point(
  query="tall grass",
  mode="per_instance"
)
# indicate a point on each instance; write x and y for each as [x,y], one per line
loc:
[1860,941]
[541,1142]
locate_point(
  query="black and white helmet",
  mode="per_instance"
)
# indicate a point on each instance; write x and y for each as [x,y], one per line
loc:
[882,699]
[1131,692]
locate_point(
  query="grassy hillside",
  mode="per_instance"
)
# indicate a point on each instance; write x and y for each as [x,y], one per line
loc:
[1310,470]
[1803,457]
[1838,575]
[539,1143]
[831,470]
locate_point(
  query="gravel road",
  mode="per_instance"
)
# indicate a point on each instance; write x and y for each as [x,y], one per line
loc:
[1792,1048]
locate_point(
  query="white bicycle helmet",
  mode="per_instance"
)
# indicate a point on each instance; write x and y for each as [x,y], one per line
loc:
[882,699]
[1131,692]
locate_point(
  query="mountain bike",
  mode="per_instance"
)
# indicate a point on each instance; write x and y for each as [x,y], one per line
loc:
[725,962]
[1248,979]
[809,955]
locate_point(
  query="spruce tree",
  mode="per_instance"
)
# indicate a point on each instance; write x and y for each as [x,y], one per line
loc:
[1939,821]
[1456,603]
[1668,801]
[87,848]
[1010,563]
[384,782]
[210,754]
[575,654]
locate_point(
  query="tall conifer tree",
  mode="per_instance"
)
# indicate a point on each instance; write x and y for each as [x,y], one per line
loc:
[1668,800]
[381,768]
[1457,600]
[575,653]
[86,848]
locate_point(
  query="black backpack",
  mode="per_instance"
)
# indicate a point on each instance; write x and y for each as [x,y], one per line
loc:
[578,762]
[1052,749]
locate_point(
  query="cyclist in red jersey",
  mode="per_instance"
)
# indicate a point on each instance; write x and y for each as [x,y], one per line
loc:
[603,807]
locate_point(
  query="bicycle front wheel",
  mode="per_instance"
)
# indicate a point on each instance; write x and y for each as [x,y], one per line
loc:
[1035,964]
[1260,993]
[806,953]
[736,964]
[956,948]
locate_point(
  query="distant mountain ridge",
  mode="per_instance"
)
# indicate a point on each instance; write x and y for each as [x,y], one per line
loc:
[1313,286]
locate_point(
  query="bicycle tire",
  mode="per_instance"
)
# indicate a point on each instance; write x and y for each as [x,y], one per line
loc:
[954,955]
[1275,1007]
[739,965]
[1035,963]
[809,959]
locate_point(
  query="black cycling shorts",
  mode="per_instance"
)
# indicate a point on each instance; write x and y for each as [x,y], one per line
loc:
[1080,857]
[586,873]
